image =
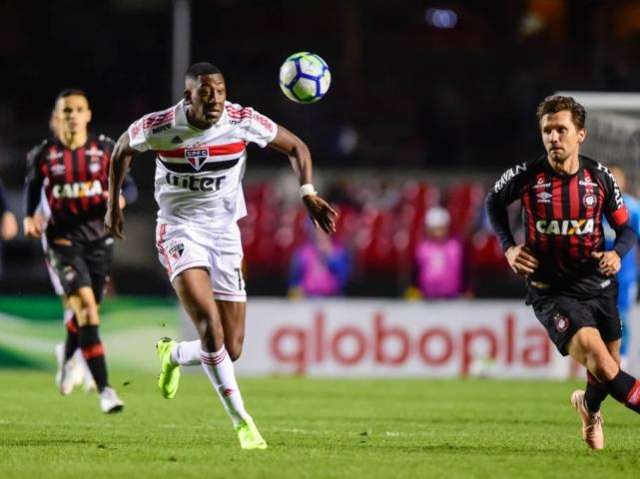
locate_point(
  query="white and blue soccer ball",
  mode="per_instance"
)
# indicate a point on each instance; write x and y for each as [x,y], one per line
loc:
[304,77]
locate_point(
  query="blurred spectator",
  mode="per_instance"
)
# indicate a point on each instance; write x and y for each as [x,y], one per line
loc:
[439,258]
[320,267]
[8,223]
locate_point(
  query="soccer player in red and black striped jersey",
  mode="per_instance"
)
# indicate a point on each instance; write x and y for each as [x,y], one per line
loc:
[72,167]
[571,282]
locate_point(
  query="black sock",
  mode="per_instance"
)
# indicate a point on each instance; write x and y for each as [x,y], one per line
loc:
[595,393]
[626,389]
[71,343]
[93,353]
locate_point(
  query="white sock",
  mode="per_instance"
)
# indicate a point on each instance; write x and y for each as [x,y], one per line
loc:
[87,377]
[186,353]
[67,315]
[219,368]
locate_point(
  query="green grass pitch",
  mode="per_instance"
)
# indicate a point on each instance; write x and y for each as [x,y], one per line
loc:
[316,428]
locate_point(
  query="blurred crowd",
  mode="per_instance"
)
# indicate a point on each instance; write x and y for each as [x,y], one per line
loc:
[401,98]
[394,238]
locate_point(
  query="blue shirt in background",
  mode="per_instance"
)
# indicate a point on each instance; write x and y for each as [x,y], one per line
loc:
[629,268]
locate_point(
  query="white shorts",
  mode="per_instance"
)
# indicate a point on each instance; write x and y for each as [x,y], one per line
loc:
[181,247]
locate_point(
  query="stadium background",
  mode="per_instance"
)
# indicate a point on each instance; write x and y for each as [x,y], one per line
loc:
[430,102]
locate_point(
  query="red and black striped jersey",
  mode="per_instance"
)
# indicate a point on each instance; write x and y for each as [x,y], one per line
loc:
[562,217]
[75,185]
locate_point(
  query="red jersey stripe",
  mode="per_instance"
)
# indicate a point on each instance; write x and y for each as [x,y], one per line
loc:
[531,228]
[82,175]
[556,211]
[214,150]
[69,178]
[574,212]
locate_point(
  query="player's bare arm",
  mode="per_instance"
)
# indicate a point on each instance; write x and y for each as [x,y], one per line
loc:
[321,213]
[120,161]
[521,260]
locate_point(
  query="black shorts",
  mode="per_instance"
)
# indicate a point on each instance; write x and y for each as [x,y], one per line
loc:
[82,264]
[562,316]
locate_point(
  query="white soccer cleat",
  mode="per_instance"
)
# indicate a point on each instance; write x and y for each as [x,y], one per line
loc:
[88,384]
[67,373]
[110,402]
[85,378]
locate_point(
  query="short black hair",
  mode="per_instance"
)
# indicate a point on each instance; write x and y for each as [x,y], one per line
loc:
[201,68]
[71,92]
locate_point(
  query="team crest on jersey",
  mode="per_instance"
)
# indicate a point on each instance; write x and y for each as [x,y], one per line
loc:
[589,200]
[561,322]
[196,157]
[95,165]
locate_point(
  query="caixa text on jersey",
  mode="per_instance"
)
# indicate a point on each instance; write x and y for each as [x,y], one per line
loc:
[195,183]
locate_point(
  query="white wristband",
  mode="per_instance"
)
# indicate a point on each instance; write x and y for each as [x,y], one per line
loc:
[307,189]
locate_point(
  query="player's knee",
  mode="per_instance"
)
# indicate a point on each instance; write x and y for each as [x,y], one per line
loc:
[85,310]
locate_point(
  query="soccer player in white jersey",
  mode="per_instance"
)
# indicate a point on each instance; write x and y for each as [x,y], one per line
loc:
[200,145]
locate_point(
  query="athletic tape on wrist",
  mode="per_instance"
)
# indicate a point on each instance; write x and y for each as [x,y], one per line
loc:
[307,189]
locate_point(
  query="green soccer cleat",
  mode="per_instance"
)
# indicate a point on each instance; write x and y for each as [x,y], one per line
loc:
[169,377]
[249,436]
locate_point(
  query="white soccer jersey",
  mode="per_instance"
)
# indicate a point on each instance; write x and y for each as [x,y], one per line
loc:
[199,172]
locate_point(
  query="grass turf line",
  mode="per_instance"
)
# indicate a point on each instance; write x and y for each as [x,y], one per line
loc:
[315,429]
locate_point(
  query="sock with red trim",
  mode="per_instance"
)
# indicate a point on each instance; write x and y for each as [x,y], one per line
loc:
[186,353]
[71,342]
[93,353]
[595,393]
[219,368]
[626,389]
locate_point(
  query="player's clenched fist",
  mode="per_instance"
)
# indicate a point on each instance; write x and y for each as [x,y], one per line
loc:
[32,227]
[322,214]
[521,260]
[114,222]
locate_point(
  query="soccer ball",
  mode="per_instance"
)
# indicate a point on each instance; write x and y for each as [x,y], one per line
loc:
[304,77]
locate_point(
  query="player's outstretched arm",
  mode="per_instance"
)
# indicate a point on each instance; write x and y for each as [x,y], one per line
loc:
[120,161]
[321,213]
